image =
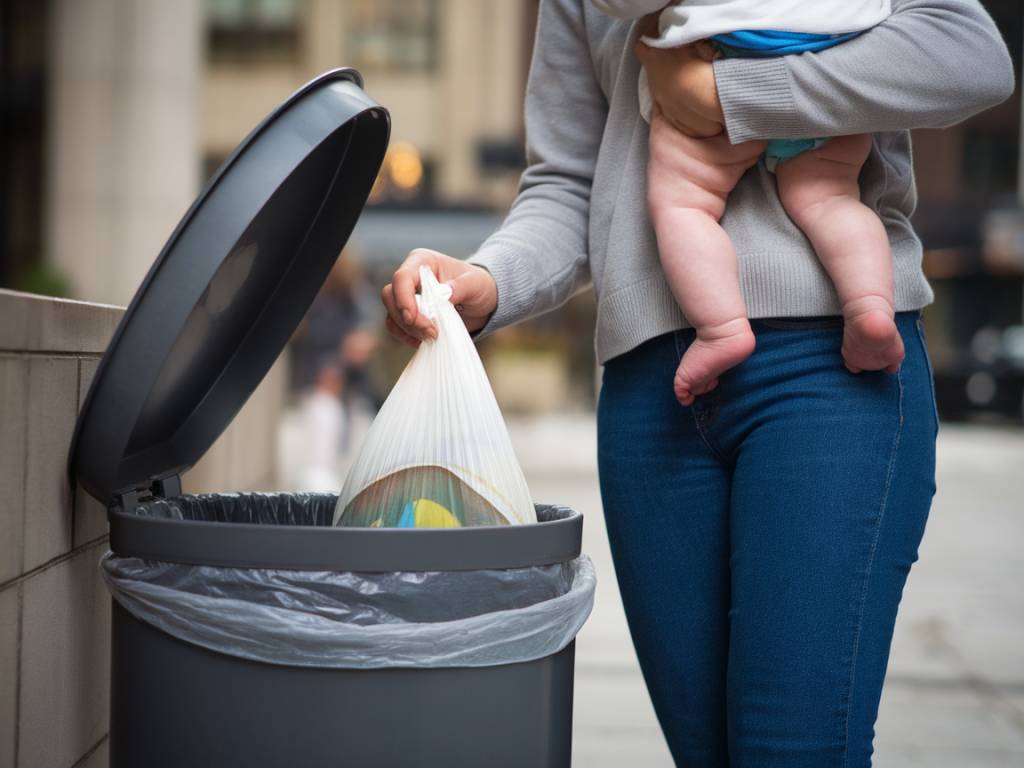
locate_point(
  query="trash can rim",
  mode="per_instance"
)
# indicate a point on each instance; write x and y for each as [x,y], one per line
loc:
[319,547]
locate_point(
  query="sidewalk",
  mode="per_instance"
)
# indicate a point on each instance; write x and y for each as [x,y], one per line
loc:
[954,697]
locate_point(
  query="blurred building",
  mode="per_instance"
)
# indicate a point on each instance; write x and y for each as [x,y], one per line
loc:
[970,181]
[115,111]
[122,140]
[451,72]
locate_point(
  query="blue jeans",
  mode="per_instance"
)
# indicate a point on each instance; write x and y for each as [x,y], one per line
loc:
[762,538]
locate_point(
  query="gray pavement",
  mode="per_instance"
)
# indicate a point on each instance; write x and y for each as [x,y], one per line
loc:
[954,697]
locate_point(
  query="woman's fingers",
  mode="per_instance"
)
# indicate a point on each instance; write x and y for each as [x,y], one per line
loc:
[404,285]
[685,120]
[474,293]
[396,326]
[395,330]
[387,298]
[682,83]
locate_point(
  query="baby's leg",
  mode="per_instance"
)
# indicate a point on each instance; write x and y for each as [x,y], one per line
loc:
[688,182]
[820,192]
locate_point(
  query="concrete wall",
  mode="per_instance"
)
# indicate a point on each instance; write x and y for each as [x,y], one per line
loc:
[54,610]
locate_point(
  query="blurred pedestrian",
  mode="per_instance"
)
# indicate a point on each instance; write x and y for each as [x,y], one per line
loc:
[323,421]
[332,353]
[342,324]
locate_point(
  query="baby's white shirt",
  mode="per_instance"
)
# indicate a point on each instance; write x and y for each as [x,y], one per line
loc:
[692,20]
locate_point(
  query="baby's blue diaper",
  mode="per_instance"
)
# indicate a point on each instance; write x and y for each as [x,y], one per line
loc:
[784,149]
[767,43]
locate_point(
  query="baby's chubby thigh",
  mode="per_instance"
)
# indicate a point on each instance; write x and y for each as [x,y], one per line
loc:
[694,173]
[819,175]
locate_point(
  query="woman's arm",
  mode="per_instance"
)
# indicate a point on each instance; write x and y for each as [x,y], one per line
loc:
[931,64]
[539,256]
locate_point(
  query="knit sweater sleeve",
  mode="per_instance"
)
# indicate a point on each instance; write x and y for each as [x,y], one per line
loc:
[539,256]
[629,9]
[931,64]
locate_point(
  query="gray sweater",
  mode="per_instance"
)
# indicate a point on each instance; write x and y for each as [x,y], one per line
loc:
[581,217]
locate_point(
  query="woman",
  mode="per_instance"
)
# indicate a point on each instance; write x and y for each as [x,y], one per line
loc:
[761,536]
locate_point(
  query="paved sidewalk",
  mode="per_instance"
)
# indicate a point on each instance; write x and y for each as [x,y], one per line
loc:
[954,697]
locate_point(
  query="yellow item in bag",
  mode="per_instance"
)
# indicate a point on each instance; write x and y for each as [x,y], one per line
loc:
[424,513]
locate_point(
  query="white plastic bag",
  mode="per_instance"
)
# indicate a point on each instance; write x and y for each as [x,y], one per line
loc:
[438,454]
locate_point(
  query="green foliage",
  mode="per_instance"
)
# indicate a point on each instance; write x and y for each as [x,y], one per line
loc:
[44,279]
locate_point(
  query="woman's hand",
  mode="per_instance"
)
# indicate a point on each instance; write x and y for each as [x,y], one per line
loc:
[682,83]
[474,294]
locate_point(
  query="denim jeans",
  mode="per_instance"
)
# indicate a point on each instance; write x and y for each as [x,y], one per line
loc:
[762,538]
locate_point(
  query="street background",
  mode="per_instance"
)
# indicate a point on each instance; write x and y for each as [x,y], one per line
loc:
[954,695]
[115,112]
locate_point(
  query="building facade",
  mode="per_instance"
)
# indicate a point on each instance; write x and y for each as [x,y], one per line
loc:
[451,72]
[135,102]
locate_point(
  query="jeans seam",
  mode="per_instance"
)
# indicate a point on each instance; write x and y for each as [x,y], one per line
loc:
[922,341]
[870,567]
[704,439]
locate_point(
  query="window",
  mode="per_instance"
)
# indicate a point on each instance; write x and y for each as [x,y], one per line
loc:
[250,31]
[392,35]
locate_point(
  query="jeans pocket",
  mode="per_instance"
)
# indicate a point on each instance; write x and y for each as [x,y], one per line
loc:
[923,339]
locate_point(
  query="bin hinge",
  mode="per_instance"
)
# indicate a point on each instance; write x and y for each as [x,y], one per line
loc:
[161,488]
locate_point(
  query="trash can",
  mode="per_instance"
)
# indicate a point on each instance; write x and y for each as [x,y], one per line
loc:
[246,630]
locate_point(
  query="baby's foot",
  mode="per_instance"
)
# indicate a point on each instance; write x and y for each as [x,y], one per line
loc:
[716,349]
[871,341]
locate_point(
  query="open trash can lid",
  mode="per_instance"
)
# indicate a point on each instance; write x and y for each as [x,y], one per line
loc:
[229,288]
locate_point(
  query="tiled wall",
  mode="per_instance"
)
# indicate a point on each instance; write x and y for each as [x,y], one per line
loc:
[54,609]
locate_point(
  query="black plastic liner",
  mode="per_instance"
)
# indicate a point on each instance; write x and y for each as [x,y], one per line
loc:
[315,509]
[398,617]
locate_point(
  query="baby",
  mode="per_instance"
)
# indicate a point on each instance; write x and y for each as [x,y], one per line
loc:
[689,181]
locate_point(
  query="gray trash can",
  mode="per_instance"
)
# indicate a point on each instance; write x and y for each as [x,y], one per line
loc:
[247,631]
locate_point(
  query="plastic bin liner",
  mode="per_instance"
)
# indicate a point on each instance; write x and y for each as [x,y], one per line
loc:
[349,620]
